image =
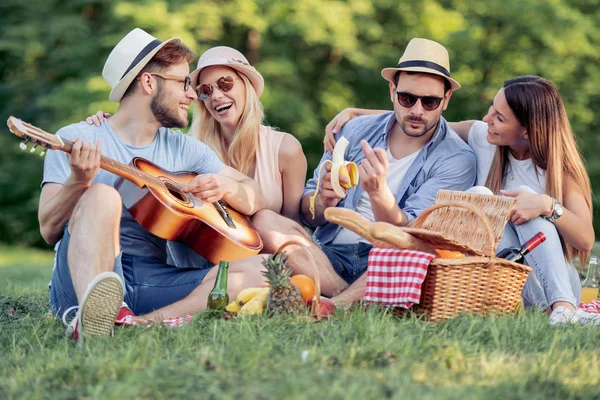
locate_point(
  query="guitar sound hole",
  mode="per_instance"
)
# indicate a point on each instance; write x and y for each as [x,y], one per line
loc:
[176,192]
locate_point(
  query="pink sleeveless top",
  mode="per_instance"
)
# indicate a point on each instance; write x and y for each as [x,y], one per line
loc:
[267,172]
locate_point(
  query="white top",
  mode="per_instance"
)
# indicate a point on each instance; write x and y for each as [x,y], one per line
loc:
[519,172]
[396,173]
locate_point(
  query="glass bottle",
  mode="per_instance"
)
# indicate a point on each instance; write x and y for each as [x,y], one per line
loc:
[218,297]
[589,287]
[516,254]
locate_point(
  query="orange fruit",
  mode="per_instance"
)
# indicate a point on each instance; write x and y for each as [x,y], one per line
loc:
[449,254]
[305,285]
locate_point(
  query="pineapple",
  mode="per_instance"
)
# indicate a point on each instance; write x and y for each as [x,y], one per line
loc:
[283,296]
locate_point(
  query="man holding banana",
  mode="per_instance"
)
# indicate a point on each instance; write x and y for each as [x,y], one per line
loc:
[404,157]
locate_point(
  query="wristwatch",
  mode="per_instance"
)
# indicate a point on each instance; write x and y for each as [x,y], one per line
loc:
[557,211]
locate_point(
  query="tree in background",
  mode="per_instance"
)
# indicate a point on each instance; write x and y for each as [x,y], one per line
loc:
[317,57]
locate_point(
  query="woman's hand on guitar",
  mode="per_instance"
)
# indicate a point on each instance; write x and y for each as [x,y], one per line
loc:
[85,161]
[334,127]
[209,187]
[97,118]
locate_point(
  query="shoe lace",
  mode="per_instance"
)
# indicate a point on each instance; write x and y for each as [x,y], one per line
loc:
[70,324]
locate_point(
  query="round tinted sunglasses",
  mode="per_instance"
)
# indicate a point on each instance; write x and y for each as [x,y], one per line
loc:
[224,84]
[187,82]
[429,103]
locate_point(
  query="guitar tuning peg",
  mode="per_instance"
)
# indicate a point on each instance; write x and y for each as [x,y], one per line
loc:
[33,148]
[23,145]
[42,153]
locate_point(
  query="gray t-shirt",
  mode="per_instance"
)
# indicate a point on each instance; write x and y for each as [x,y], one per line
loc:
[170,150]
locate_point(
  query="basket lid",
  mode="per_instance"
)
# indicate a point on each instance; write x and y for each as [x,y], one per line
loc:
[466,218]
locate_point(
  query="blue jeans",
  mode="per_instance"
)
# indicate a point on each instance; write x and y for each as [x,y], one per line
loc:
[553,278]
[349,260]
[150,284]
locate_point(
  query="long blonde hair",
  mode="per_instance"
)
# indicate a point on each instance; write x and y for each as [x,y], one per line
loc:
[240,154]
[539,108]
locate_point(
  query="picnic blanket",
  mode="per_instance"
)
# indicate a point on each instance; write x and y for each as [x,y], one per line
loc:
[395,277]
[591,307]
[126,317]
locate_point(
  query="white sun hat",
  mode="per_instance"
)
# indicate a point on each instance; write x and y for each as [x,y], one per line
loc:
[128,58]
[229,57]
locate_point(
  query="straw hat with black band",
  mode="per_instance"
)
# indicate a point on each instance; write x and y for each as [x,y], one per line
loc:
[128,58]
[423,55]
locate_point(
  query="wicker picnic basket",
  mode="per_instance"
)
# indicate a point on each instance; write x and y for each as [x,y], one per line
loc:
[481,283]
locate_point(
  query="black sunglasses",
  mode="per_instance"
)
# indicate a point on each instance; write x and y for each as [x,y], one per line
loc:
[224,83]
[429,103]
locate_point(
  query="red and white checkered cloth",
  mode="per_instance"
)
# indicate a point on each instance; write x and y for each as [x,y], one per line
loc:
[591,307]
[174,322]
[394,277]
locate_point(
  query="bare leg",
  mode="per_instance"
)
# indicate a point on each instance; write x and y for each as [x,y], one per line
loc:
[243,274]
[94,229]
[276,230]
[355,292]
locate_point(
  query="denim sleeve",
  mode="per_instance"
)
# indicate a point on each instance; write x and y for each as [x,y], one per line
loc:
[456,172]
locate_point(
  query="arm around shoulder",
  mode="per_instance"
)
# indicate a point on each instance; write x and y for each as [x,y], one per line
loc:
[462,128]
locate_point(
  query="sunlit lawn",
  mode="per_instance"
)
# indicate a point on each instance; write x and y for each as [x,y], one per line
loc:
[365,354]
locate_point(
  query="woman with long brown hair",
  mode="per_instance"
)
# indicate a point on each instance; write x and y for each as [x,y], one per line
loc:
[526,148]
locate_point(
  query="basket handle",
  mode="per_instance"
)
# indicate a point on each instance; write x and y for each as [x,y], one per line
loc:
[420,220]
[317,302]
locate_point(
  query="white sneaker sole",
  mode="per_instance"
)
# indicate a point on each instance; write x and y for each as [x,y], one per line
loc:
[100,305]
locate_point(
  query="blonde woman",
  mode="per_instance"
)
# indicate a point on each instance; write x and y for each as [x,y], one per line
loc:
[526,149]
[229,119]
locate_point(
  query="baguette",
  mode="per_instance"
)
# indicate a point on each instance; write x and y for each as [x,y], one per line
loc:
[397,238]
[354,222]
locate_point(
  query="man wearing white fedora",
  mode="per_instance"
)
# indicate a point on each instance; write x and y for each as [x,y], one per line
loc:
[405,156]
[103,255]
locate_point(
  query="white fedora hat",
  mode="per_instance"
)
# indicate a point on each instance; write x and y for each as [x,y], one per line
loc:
[128,58]
[229,57]
[423,55]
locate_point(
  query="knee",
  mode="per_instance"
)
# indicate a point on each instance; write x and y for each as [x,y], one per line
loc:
[540,224]
[99,199]
[264,219]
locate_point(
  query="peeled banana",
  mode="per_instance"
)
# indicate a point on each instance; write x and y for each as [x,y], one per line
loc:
[339,167]
[256,305]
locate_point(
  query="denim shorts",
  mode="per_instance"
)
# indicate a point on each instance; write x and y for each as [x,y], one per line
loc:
[149,283]
[348,260]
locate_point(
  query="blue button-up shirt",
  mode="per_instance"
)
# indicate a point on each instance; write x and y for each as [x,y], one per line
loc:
[445,162]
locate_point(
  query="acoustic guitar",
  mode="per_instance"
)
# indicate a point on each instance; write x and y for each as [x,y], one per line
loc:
[155,198]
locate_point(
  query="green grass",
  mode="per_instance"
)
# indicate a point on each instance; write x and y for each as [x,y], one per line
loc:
[366,354]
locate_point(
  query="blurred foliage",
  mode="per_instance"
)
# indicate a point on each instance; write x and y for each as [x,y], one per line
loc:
[317,57]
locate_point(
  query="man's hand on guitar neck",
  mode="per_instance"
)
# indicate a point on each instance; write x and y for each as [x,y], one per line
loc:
[85,162]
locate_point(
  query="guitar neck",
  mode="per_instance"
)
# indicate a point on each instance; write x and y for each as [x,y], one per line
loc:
[135,175]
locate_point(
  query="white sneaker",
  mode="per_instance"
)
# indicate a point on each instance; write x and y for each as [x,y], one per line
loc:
[588,318]
[97,309]
[562,315]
